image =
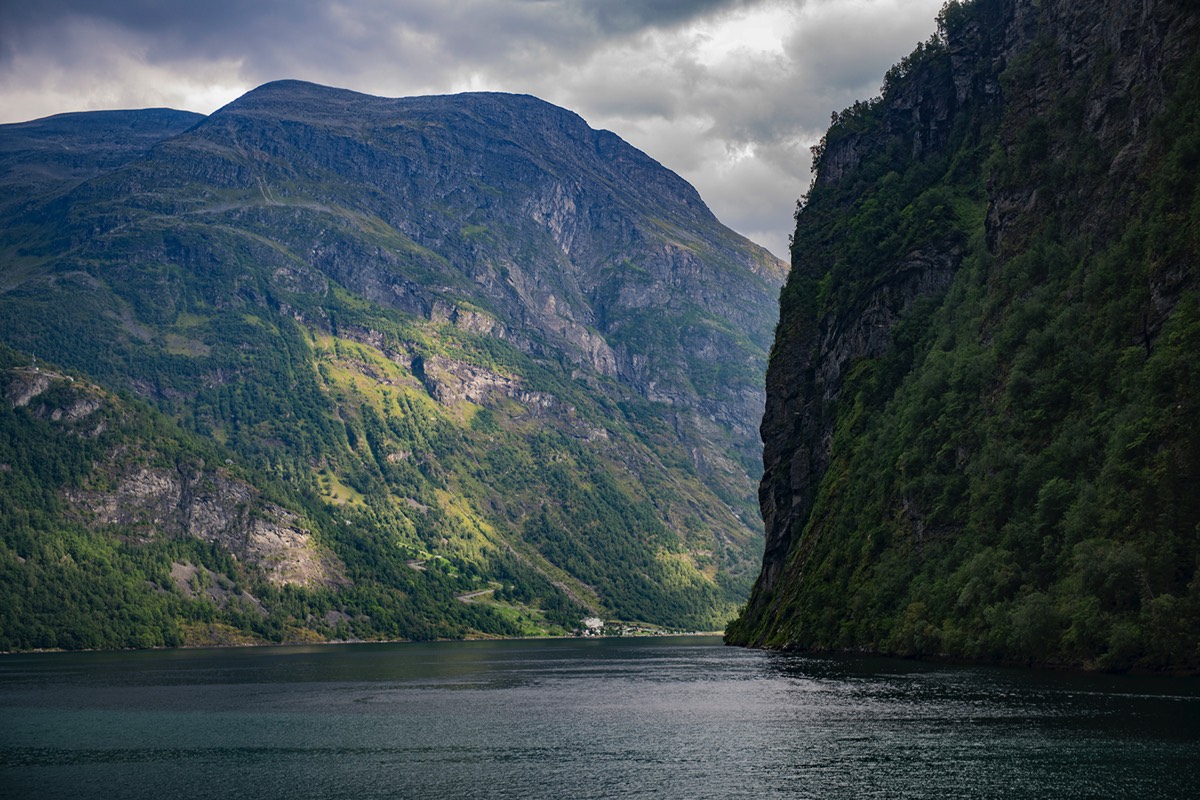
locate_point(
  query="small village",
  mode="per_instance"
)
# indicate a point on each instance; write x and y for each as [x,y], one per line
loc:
[596,627]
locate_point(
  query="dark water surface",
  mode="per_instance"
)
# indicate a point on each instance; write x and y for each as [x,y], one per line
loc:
[661,718]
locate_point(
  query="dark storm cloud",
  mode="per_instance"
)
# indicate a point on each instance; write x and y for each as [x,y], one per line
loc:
[628,16]
[222,28]
[730,93]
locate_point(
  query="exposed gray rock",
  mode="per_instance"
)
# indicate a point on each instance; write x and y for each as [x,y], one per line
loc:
[450,381]
[867,331]
[152,502]
[24,385]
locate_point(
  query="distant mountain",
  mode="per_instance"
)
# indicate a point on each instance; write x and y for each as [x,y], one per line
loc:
[981,436]
[430,348]
[39,157]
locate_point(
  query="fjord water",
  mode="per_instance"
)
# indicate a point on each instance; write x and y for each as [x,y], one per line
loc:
[653,717]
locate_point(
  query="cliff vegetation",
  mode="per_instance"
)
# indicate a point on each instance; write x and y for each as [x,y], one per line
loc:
[981,429]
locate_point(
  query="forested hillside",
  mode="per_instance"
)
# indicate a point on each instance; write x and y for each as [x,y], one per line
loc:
[356,368]
[983,419]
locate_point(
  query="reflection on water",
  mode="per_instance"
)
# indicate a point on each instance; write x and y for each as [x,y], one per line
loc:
[663,718]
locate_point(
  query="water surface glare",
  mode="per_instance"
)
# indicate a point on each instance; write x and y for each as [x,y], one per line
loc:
[614,718]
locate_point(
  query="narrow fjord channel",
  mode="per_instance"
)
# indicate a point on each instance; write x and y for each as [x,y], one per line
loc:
[617,718]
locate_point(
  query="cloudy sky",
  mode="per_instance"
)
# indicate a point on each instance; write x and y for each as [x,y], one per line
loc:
[728,93]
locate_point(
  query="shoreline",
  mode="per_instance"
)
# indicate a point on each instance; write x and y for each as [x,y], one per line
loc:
[331,642]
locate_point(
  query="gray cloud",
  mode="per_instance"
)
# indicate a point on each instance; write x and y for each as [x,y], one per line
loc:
[729,93]
[626,16]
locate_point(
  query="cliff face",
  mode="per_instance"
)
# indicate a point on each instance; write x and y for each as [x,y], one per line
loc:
[987,277]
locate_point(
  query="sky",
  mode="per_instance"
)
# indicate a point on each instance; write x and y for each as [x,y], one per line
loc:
[730,94]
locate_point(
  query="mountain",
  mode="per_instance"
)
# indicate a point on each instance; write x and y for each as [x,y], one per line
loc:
[981,432]
[369,367]
[58,152]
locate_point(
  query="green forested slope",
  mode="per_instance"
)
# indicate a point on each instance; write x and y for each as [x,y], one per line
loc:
[983,423]
[371,368]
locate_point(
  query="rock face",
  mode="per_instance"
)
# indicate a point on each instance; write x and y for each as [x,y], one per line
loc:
[153,502]
[189,502]
[982,209]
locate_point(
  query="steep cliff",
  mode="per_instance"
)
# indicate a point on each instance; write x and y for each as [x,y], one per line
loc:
[980,430]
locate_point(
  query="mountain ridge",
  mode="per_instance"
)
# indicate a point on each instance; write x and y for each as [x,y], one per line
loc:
[54,152]
[461,357]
